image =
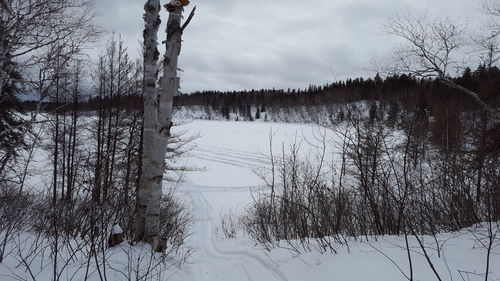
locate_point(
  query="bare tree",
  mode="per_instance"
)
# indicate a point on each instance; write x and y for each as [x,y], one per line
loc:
[432,48]
[30,25]
[489,46]
[492,7]
[27,27]
[157,114]
[489,42]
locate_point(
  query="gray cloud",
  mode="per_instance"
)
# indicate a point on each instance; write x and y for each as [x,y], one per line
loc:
[236,44]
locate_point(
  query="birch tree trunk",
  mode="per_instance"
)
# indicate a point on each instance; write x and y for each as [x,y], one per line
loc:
[169,87]
[157,116]
[147,220]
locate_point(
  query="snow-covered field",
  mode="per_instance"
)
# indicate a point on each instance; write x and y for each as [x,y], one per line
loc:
[232,154]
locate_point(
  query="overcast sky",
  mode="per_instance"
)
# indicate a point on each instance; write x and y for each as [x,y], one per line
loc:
[242,44]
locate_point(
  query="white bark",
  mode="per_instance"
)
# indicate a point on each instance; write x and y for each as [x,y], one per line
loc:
[157,119]
[170,81]
[151,168]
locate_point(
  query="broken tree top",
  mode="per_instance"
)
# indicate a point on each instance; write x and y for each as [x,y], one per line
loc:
[177,3]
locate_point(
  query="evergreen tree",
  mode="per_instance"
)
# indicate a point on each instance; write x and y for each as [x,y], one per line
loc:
[249,113]
[373,112]
[11,131]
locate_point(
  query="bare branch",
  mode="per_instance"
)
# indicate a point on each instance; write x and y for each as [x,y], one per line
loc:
[191,15]
[430,49]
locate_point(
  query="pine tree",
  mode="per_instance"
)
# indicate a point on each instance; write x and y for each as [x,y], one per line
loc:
[11,131]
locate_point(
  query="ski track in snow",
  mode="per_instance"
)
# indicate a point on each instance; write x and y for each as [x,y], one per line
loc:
[189,188]
[228,184]
[212,262]
[224,161]
[230,157]
[246,255]
[218,264]
[231,152]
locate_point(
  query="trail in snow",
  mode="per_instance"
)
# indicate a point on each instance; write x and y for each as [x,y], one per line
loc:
[211,261]
[246,256]
[231,152]
[230,157]
[209,196]
[258,157]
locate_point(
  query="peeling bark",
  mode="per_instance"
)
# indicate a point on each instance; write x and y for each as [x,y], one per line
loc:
[157,117]
[146,226]
[169,87]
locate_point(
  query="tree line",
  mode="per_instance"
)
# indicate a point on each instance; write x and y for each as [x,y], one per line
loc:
[435,102]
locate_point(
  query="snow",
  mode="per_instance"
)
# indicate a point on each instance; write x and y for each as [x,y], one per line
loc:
[117,229]
[232,154]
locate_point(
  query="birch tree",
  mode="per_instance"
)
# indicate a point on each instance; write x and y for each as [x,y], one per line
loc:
[158,98]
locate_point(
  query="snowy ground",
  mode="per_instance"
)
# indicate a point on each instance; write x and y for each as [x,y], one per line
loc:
[232,153]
